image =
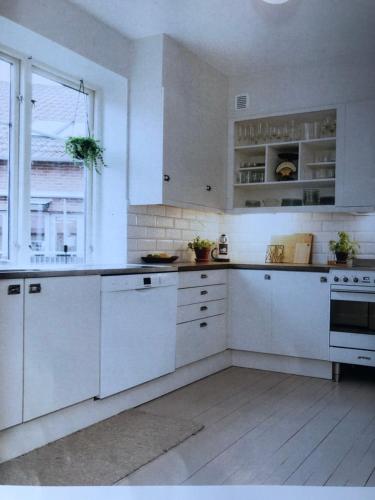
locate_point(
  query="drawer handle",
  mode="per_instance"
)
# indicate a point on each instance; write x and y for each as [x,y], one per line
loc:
[35,288]
[204,292]
[204,308]
[14,289]
[367,358]
[204,276]
[203,325]
[267,276]
[323,279]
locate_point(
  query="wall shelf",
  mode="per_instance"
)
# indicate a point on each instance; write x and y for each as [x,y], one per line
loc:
[310,142]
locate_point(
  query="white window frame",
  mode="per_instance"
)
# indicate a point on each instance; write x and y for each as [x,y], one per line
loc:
[19,248]
[13,155]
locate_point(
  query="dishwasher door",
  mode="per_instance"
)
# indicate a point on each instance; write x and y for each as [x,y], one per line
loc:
[138,337]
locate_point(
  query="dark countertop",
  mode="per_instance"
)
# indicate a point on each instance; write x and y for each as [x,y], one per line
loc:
[312,268]
[140,269]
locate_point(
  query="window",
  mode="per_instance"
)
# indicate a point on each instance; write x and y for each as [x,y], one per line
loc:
[57,184]
[5,152]
[44,202]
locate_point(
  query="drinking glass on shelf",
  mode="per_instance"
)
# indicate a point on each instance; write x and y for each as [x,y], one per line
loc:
[273,134]
[244,177]
[286,136]
[239,134]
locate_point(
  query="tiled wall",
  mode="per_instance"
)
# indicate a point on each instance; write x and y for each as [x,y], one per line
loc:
[168,229]
[250,234]
[159,228]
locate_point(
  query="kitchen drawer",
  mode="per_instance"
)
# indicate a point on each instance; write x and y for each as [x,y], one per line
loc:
[201,278]
[352,340]
[198,294]
[200,339]
[352,356]
[197,311]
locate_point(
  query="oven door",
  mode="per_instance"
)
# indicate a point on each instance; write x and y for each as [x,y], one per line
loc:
[352,318]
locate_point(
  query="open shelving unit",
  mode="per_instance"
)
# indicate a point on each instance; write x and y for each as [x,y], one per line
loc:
[309,137]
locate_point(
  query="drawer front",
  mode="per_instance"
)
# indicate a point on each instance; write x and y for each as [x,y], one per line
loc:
[201,278]
[200,339]
[198,311]
[352,356]
[352,340]
[198,294]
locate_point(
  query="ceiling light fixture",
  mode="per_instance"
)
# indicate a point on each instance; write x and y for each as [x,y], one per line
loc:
[275,2]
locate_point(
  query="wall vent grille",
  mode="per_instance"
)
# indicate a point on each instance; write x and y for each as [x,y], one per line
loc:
[242,101]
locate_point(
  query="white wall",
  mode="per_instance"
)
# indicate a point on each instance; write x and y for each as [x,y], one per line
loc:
[69,26]
[282,90]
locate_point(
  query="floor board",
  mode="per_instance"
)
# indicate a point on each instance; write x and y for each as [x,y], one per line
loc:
[269,428]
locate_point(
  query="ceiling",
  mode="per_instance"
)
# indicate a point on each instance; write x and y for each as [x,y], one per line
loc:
[242,36]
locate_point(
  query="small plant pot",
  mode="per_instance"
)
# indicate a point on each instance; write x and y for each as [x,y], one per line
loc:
[202,254]
[341,257]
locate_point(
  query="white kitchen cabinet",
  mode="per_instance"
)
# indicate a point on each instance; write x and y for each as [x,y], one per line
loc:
[11,352]
[300,314]
[177,122]
[61,336]
[279,312]
[250,294]
[356,175]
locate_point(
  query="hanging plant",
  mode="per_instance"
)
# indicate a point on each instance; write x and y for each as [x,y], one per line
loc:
[86,149]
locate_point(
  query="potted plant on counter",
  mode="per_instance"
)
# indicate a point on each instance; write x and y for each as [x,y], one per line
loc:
[202,248]
[344,248]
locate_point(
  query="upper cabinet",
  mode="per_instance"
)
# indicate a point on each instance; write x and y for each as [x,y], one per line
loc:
[285,162]
[177,123]
[356,176]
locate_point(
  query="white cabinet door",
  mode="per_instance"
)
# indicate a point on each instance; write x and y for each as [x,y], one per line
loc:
[300,314]
[356,170]
[62,322]
[250,310]
[11,352]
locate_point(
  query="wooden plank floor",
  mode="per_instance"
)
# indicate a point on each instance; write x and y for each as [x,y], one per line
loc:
[269,428]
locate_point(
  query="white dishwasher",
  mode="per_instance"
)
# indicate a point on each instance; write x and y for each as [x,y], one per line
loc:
[138,329]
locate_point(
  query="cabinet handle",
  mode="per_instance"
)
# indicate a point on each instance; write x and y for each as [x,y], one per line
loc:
[167,178]
[204,308]
[323,279]
[203,325]
[204,292]
[35,288]
[14,289]
[203,276]
[267,276]
[367,358]
[208,188]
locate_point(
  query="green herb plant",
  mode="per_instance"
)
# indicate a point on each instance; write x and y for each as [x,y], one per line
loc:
[344,245]
[198,244]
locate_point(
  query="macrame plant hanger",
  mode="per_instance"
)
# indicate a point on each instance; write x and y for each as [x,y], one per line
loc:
[81,91]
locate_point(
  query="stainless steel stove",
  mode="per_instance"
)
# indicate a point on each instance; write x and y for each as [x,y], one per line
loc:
[352,314]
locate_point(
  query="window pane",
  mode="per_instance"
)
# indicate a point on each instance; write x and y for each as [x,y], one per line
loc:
[57,184]
[5,137]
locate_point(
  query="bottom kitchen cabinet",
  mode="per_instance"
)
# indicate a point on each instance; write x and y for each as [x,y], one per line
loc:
[200,339]
[61,350]
[11,352]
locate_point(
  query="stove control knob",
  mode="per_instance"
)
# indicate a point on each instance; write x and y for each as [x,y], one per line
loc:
[336,279]
[355,280]
[345,279]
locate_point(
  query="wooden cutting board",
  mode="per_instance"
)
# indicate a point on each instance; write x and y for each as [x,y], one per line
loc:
[297,247]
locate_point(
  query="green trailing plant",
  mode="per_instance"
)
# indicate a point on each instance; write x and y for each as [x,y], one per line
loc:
[86,149]
[344,245]
[198,244]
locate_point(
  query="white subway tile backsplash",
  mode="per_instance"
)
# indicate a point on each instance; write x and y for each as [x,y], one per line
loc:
[162,228]
[164,222]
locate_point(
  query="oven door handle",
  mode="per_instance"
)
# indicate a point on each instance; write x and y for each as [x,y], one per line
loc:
[353,296]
